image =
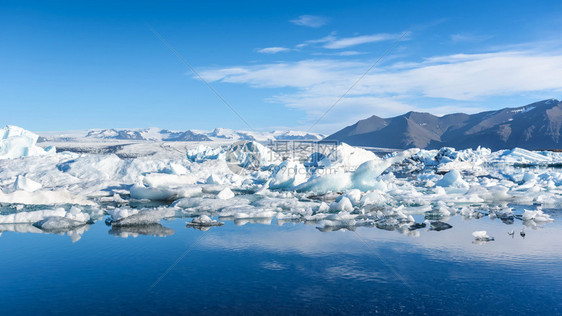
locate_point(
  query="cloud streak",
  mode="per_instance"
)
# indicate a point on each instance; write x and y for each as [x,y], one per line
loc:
[469,38]
[313,85]
[310,21]
[359,40]
[273,50]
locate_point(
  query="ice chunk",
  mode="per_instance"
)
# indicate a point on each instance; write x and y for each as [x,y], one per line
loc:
[17,142]
[343,205]
[164,194]
[354,196]
[128,216]
[43,197]
[75,214]
[98,167]
[452,179]
[327,183]
[23,183]
[439,226]
[345,156]
[522,156]
[176,168]
[225,194]
[203,152]
[537,216]
[203,221]
[250,155]
[163,180]
[58,224]
[482,235]
[288,174]
[374,198]
[247,211]
[201,204]
[214,179]
[365,177]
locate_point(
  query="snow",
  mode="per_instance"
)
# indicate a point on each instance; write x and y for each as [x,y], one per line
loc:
[218,134]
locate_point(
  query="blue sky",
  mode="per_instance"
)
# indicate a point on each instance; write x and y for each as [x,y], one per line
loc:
[94,64]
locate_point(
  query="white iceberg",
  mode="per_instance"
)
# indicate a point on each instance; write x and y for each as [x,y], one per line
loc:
[17,142]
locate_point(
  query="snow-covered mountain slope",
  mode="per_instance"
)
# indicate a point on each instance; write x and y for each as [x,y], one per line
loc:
[157,134]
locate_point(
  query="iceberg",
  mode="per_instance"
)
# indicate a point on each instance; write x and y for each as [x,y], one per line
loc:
[452,179]
[17,142]
[25,184]
[74,215]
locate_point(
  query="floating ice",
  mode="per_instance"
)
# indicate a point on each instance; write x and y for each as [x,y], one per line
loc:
[452,179]
[247,211]
[131,217]
[74,215]
[57,223]
[17,142]
[482,235]
[163,194]
[203,221]
[537,216]
[44,197]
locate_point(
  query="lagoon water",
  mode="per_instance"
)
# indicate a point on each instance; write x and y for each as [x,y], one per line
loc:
[284,269]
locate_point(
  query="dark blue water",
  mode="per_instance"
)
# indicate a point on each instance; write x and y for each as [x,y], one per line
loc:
[289,269]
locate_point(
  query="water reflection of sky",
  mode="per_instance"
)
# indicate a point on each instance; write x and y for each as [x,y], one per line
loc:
[293,268]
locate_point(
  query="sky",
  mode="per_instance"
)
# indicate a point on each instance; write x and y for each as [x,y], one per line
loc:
[263,65]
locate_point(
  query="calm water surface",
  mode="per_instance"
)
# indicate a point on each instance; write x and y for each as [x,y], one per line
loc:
[293,268]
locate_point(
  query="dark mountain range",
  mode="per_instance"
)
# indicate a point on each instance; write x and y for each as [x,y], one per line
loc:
[534,126]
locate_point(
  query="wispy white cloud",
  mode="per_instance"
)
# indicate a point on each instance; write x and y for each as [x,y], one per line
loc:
[314,85]
[273,50]
[468,37]
[310,21]
[343,53]
[358,40]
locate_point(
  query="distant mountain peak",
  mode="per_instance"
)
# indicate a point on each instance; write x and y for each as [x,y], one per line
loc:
[218,134]
[533,126]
